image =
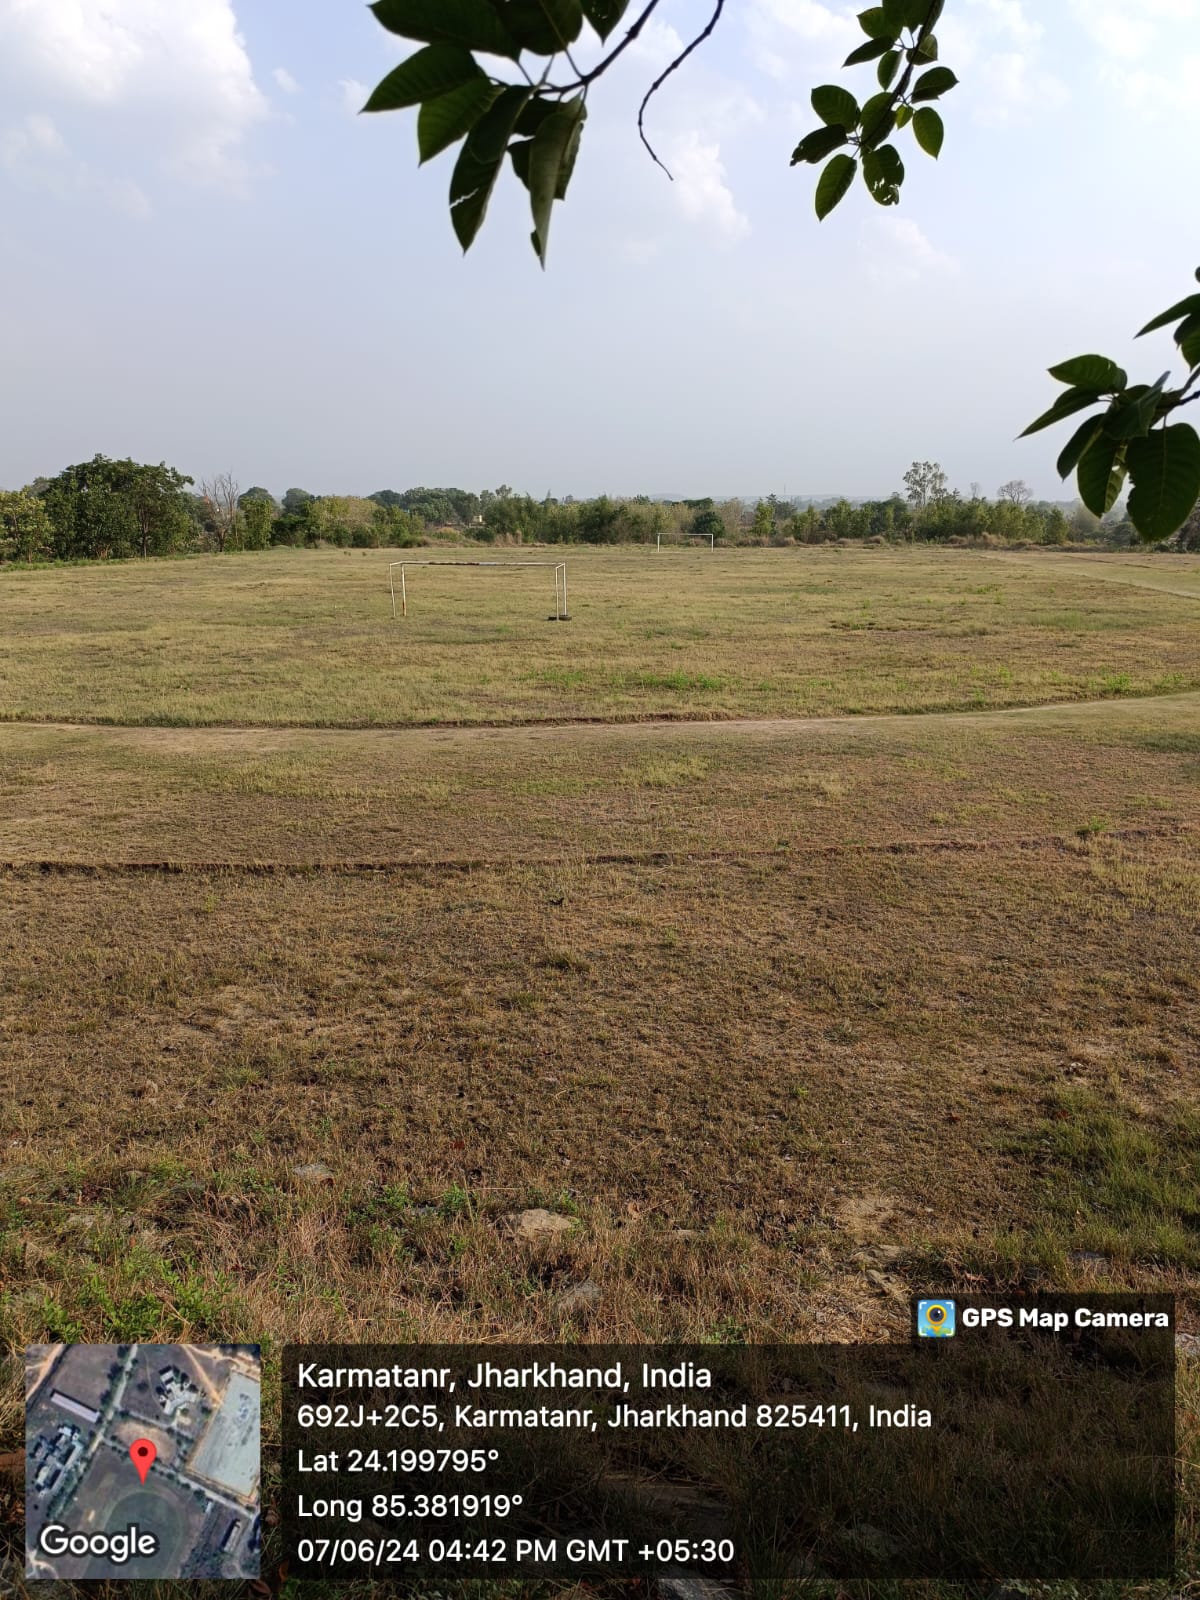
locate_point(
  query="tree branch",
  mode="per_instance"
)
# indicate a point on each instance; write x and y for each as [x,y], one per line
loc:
[601,67]
[901,89]
[659,81]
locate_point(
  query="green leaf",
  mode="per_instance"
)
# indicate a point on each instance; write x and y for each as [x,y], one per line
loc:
[894,11]
[834,184]
[1187,337]
[566,166]
[835,106]
[868,52]
[925,52]
[888,67]
[883,171]
[544,26]
[1090,372]
[878,118]
[535,113]
[929,130]
[518,153]
[473,24]
[1065,406]
[604,14]
[478,164]
[874,23]
[932,84]
[1164,472]
[1079,441]
[433,71]
[1101,474]
[441,122]
[551,161]
[904,115]
[565,17]
[913,13]
[1184,308]
[1132,413]
[817,145]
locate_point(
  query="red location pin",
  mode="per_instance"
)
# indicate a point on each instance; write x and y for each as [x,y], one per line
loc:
[142,1453]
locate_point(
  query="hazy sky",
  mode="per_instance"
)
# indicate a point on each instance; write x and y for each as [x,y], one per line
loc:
[206,256]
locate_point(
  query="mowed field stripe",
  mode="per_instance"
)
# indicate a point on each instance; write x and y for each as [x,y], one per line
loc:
[600,858]
[1108,707]
[1102,570]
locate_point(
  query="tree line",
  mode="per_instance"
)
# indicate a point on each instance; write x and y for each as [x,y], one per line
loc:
[111,510]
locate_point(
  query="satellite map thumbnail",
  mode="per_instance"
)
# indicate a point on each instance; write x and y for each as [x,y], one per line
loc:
[142,1461]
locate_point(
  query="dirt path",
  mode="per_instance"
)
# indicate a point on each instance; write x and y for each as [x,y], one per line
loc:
[1097,567]
[247,738]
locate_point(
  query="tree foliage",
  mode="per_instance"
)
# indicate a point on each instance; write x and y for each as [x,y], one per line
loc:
[902,47]
[534,117]
[1133,437]
[159,500]
[26,532]
[102,508]
[924,482]
[295,502]
[97,505]
[258,520]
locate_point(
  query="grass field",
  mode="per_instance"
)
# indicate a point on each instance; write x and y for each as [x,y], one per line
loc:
[294,638]
[790,1016]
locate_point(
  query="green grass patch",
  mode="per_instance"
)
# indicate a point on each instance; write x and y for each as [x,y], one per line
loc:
[1107,1182]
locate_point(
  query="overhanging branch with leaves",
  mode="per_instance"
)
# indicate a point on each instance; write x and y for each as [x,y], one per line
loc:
[537,125]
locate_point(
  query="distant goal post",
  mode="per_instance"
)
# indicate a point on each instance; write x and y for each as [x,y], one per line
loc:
[689,538]
[400,600]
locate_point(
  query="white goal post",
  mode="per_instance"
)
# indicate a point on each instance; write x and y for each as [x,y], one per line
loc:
[560,581]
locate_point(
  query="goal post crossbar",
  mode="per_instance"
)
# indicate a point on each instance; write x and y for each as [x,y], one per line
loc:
[560,580]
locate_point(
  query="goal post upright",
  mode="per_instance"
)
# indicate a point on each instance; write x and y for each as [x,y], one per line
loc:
[561,614]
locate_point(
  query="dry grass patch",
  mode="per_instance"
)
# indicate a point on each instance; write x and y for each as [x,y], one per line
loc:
[740,1048]
[548,793]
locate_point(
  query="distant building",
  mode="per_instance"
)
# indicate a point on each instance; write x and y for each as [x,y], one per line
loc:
[55,1457]
[175,1392]
[65,1403]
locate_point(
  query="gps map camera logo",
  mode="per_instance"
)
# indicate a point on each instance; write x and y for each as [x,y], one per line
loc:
[935,1319]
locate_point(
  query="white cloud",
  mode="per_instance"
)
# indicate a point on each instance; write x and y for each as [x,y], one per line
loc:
[1156,91]
[1009,86]
[790,36]
[701,192]
[1126,32]
[1008,16]
[36,135]
[166,81]
[285,81]
[895,248]
[35,154]
[997,48]
[354,95]
[127,196]
[808,20]
[1125,41]
[656,46]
